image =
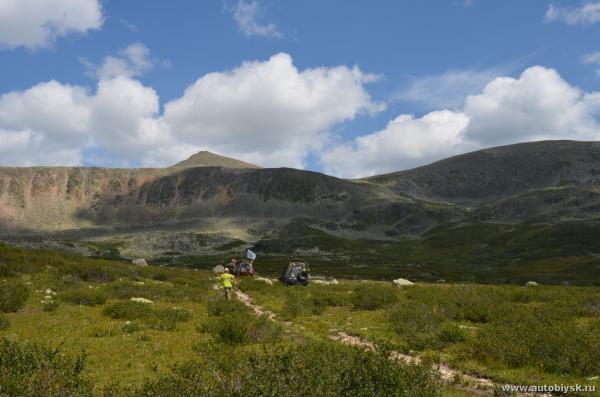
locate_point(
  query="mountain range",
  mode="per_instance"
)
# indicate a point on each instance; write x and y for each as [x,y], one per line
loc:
[547,193]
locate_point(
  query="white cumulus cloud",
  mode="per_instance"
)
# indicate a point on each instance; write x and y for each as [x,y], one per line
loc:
[538,105]
[38,23]
[268,112]
[404,142]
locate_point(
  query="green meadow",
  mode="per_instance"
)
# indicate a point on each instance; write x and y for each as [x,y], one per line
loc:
[69,326]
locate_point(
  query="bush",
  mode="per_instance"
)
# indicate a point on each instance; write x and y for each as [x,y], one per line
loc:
[371,296]
[463,303]
[13,295]
[4,323]
[542,337]
[154,291]
[103,332]
[8,270]
[310,369]
[162,276]
[330,295]
[128,310]
[220,307]
[85,296]
[418,324]
[34,370]
[50,306]
[131,327]
[158,319]
[295,305]
[238,328]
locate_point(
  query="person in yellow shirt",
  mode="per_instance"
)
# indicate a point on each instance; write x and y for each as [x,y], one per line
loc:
[227,280]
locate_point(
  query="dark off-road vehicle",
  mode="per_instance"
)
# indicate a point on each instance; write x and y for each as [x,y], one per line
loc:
[295,273]
[241,268]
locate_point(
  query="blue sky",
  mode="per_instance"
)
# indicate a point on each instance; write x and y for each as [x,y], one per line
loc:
[418,62]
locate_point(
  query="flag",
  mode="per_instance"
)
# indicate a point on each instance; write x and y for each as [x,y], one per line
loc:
[250,255]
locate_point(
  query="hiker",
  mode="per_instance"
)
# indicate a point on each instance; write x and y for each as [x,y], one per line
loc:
[227,280]
[234,265]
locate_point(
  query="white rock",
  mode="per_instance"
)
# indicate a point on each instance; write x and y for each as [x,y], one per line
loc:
[139,262]
[264,280]
[48,297]
[138,282]
[141,300]
[50,292]
[531,284]
[219,269]
[323,282]
[401,282]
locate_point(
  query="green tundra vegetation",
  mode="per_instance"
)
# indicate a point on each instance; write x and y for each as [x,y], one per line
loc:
[69,326]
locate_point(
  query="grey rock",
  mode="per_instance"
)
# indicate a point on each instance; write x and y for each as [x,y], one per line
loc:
[402,282]
[139,262]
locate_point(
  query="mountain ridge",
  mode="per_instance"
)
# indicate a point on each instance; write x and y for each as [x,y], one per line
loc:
[211,210]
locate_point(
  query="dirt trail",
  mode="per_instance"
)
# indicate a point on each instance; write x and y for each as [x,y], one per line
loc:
[247,300]
[472,384]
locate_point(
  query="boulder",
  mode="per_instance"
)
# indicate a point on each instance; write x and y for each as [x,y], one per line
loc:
[141,300]
[441,281]
[401,282]
[139,262]
[219,269]
[324,282]
[264,280]
[531,284]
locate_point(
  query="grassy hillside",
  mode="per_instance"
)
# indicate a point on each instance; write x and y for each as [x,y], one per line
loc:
[69,326]
[478,252]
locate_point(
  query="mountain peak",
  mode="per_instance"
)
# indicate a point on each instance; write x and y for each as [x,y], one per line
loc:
[205,158]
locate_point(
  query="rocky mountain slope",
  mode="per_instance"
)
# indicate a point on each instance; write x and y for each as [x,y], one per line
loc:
[500,172]
[211,205]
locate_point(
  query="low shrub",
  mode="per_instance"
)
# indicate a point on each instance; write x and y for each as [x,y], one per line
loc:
[219,307]
[162,276]
[8,270]
[128,310]
[158,319]
[13,295]
[371,296]
[306,369]
[542,337]
[4,322]
[130,327]
[238,328]
[250,284]
[419,325]
[35,370]
[154,291]
[50,306]
[463,303]
[330,295]
[85,296]
[103,332]
[297,304]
